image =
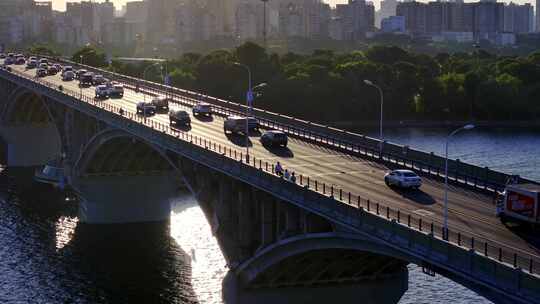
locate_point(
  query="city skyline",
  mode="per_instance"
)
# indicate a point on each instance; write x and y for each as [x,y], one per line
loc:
[60,5]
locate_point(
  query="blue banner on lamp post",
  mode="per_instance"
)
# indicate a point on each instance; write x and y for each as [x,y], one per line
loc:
[167,80]
[249,98]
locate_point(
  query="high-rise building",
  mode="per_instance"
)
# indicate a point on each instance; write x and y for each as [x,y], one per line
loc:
[194,22]
[484,18]
[161,21]
[517,18]
[537,15]
[335,28]
[105,11]
[393,24]
[136,11]
[358,18]
[249,20]
[25,20]
[415,16]
[460,16]
[388,8]
[302,18]
[488,17]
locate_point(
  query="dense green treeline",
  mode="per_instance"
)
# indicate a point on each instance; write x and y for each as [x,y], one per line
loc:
[327,86]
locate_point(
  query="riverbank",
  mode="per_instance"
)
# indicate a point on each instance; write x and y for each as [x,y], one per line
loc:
[437,124]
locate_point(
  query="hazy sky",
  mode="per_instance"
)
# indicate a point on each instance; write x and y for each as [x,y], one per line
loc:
[61,4]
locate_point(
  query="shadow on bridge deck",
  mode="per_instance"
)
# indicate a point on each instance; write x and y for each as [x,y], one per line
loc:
[417,196]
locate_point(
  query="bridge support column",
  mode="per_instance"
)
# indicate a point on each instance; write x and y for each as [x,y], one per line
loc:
[31,145]
[125,199]
[245,222]
[292,216]
[223,208]
[268,222]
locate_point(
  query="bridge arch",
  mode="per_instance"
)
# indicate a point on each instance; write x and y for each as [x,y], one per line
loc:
[121,179]
[29,129]
[261,267]
[316,267]
[115,152]
[262,270]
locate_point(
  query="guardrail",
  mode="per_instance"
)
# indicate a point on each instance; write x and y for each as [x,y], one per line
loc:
[466,240]
[426,163]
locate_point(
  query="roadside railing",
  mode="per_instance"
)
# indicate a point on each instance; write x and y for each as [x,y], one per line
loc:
[467,240]
[427,163]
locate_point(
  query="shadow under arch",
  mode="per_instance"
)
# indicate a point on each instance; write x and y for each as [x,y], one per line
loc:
[22,102]
[121,178]
[264,259]
[109,136]
[31,136]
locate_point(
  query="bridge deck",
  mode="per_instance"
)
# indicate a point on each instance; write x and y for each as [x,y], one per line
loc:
[470,211]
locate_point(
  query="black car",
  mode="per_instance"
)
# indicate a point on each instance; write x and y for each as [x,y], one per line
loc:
[52,70]
[86,79]
[98,80]
[161,103]
[179,117]
[202,109]
[274,138]
[146,108]
[41,72]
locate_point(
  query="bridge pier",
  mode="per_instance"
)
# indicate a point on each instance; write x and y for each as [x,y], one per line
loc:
[268,223]
[292,221]
[125,199]
[30,145]
[386,289]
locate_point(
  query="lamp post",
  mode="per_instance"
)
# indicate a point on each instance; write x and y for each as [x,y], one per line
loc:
[465,127]
[249,99]
[249,102]
[370,83]
[165,78]
[144,76]
[80,86]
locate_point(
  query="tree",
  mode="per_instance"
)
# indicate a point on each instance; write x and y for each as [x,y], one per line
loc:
[42,49]
[454,101]
[90,56]
[387,54]
[471,84]
[251,54]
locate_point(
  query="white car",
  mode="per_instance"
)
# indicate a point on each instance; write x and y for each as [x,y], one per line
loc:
[403,179]
[102,91]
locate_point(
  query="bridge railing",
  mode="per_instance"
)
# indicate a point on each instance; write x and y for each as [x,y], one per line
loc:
[467,240]
[427,163]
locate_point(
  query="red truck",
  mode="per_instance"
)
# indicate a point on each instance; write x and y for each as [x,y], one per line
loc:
[520,203]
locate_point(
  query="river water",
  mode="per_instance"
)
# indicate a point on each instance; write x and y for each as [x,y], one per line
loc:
[47,257]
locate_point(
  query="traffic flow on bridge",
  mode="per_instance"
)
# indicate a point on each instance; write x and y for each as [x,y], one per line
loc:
[470,211]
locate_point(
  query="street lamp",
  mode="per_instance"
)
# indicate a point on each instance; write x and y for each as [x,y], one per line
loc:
[249,99]
[144,76]
[80,86]
[165,78]
[370,83]
[465,127]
